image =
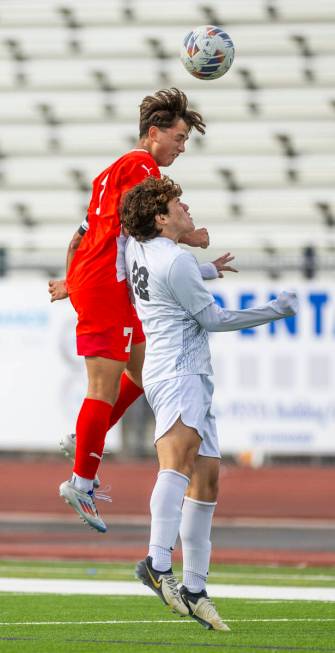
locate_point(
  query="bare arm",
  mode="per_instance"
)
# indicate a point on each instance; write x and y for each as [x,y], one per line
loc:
[196,238]
[73,246]
[215,269]
[57,287]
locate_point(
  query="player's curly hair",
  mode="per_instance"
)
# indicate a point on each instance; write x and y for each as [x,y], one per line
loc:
[143,202]
[165,108]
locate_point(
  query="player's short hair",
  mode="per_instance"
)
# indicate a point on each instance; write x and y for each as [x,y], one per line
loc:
[165,108]
[143,202]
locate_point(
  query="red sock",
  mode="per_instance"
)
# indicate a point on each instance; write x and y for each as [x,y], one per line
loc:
[129,392]
[92,426]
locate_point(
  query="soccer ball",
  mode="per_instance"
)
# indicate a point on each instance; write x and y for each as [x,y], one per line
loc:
[207,52]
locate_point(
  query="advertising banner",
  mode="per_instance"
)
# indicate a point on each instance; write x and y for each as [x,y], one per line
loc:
[274,384]
[43,381]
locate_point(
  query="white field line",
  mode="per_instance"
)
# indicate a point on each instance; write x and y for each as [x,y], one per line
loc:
[120,588]
[155,621]
[98,623]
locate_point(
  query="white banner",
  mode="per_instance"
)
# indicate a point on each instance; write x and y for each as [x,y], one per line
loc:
[43,381]
[274,385]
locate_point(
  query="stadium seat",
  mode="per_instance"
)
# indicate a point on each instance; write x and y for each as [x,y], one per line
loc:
[115,74]
[71,85]
[108,138]
[107,41]
[149,11]
[254,171]
[227,172]
[93,106]
[279,206]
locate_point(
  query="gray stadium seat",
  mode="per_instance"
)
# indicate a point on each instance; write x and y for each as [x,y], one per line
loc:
[72,76]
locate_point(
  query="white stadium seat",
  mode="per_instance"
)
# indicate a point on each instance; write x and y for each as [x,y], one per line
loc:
[217,171]
[92,106]
[109,42]
[108,138]
[194,11]
[86,74]
[263,237]
[279,206]
[254,171]
[260,137]
[44,206]
[174,12]
[73,139]
[73,74]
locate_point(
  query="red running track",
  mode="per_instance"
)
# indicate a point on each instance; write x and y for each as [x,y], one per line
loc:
[274,492]
[30,486]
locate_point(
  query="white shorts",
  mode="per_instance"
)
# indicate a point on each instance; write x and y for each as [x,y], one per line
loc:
[190,398]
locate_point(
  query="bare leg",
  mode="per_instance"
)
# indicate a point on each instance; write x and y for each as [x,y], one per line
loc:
[178,449]
[204,483]
[135,364]
[104,376]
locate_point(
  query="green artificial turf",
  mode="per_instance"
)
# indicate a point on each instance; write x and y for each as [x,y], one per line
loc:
[255,625]
[227,574]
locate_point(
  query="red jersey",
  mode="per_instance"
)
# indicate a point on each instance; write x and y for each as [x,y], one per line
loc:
[95,261]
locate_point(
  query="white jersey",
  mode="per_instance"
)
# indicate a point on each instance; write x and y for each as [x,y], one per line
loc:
[176,344]
[177,311]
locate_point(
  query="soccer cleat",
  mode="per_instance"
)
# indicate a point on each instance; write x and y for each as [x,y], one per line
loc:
[68,445]
[83,504]
[163,583]
[201,608]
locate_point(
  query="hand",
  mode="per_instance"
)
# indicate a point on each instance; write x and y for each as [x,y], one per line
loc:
[221,264]
[197,238]
[57,289]
[288,302]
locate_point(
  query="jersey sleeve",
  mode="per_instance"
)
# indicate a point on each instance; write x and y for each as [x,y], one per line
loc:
[186,284]
[208,271]
[214,318]
[84,226]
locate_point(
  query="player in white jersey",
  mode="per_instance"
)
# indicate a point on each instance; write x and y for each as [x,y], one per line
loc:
[176,312]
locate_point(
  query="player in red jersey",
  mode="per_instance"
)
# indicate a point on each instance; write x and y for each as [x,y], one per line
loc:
[109,334]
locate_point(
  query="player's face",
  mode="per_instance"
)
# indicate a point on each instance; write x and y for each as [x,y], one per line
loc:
[179,218]
[168,143]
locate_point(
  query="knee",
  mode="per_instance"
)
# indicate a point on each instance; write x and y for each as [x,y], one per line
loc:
[187,460]
[104,388]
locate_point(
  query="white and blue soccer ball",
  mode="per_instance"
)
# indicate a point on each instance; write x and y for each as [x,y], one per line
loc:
[207,52]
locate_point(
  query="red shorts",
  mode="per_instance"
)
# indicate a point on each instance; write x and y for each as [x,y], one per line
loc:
[107,322]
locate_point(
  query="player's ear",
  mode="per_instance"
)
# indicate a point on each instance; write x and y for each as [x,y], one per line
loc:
[153,133]
[161,218]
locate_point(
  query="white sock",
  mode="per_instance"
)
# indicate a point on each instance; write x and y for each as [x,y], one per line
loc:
[161,558]
[195,531]
[165,505]
[81,483]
